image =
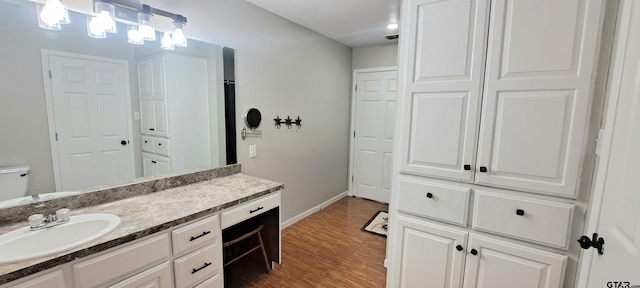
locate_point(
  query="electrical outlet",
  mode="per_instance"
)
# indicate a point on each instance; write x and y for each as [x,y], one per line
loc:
[253,151]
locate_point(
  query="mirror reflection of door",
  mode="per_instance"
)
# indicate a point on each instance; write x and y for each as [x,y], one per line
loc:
[91,127]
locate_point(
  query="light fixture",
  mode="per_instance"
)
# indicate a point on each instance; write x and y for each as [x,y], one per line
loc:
[178,35]
[134,36]
[144,26]
[167,42]
[106,15]
[392,26]
[51,14]
[95,29]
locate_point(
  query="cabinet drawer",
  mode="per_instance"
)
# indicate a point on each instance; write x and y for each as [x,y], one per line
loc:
[198,265]
[529,219]
[159,276]
[440,202]
[213,282]
[147,144]
[49,280]
[103,268]
[195,235]
[248,210]
[161,146]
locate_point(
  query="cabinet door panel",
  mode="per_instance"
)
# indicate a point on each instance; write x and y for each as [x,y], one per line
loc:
[504,264]
[149,167]
[425,255]
[163,165]
[442,82]
[158,74]
[144,80]
[156,277]
[536,97]
[161,121]
[146,117]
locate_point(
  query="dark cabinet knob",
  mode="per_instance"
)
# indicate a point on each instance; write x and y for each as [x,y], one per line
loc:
[474,252]
[483,169]
[520,212]
[429,195]
[459,247]
[467,167]
[152,129]
[159,144]
[145,141]
[154,162]
[123,142]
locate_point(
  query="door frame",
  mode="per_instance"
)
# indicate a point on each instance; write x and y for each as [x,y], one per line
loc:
[605,139]
[352,129]
[48,96]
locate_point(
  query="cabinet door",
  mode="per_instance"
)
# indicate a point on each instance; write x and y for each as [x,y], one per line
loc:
[50,280]
[427,255]
[156,277]
[536,98]
[503,264]
[149,166]
[146,117]
[163,165]
[160,118]
[442,81]
[144,79]
[158,76]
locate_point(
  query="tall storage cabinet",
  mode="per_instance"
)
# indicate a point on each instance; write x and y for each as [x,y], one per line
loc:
[174,111]
[494,101]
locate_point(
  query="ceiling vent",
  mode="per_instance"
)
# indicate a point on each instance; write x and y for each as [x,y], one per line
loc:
[392,37]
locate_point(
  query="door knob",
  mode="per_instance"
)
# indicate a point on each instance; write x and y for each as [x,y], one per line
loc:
[459,247]
[467,167]
[123,142]
[474,252]
[429,195]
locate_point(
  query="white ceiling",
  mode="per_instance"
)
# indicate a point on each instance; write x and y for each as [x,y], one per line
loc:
[355,23]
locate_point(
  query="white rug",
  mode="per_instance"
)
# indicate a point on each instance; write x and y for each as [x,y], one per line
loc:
[378,224]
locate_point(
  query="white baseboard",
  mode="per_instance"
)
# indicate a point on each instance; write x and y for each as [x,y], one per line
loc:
[306,214]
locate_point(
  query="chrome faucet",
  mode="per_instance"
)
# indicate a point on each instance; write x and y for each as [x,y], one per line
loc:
[39,221]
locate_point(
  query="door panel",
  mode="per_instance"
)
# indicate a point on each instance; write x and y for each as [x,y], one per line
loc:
[375,113]
[537,93]
[444,81]
[160,119]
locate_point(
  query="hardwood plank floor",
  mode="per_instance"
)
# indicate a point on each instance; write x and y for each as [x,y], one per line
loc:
[326,249]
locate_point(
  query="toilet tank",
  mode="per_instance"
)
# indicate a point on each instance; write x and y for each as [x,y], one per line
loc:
[14,182]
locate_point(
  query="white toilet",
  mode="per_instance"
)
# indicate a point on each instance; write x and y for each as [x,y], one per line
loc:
[13,182]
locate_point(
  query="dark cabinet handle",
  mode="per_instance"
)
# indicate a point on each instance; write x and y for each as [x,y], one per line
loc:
[429,195]
[201,235]
[467,167]
[459,247]
[520,212]
[153,161]
[483,169]
[474,252]
[152,129]
[257,209]
[123,142]
[194,270]
[145,141]
[159,144]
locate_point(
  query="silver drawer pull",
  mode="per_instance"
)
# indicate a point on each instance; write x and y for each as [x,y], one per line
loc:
[201,235]
[194,270]
[257,209]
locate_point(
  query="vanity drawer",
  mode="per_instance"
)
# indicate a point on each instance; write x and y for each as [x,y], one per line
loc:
[198,265]
[103,268]
[159,275]
[161,146]
[440,202]
[147,144]
[249,209]
[213,282]
[535,220]
[195,235]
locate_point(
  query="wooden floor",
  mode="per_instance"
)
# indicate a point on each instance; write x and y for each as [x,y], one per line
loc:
[326,249]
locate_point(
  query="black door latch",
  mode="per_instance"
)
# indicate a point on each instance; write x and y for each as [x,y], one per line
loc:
[595,242]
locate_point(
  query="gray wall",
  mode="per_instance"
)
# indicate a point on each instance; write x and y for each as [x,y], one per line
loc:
[375,56]
[283,69]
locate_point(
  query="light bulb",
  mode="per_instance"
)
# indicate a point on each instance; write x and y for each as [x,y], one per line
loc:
[94,28]
[106,14]
[52,14]
[392,26]
[145,28]
[166,42]
[178,38]
[134,36]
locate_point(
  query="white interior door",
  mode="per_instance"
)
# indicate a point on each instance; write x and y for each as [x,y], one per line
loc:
[617,181]
[89,100]
[374,122]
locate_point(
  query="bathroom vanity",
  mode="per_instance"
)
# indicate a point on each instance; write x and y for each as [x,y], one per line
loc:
[170,236]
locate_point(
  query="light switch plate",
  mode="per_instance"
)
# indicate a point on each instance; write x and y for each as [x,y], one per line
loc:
[253,151]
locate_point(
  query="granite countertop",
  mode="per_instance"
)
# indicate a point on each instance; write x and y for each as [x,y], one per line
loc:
[147,214]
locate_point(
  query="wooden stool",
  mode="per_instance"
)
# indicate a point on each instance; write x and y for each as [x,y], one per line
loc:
[260,246]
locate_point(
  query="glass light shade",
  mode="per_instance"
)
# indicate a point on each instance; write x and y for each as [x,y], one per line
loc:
[106,14]
[145,27]
[51,14]
[134,36]
[94,28]
[166,42]
[178,38]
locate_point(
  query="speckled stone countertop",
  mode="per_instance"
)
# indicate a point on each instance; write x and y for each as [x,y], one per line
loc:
[147,214]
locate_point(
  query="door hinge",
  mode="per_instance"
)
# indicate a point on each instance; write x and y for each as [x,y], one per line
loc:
[354,133]
[356,88]
[56,136]
[50,74]
[601,134]
[351,178]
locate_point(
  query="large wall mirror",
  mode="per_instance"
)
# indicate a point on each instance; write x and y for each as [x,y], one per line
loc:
[109,112]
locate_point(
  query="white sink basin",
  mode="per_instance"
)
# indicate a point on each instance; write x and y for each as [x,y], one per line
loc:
[24,244]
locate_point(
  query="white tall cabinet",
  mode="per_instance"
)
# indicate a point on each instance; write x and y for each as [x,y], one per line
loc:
[174,111]
[492,124]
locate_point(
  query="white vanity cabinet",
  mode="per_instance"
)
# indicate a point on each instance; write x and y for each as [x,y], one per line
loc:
[174,112]
[491,135]
[51,279]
